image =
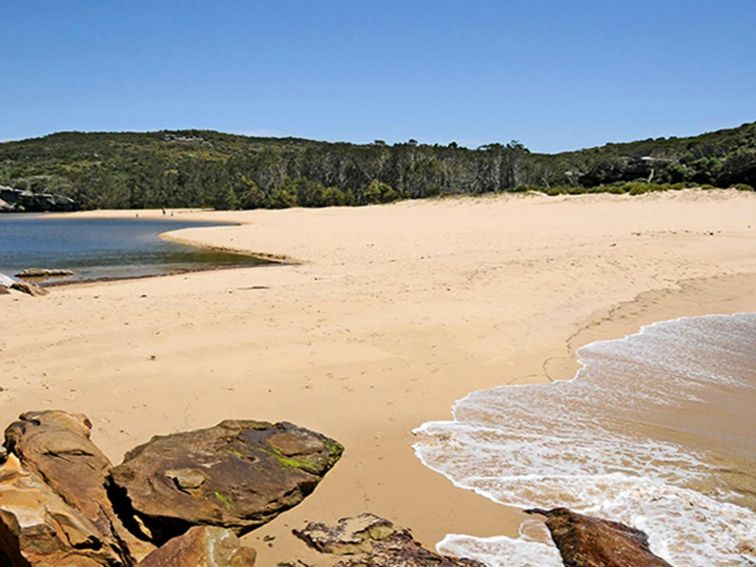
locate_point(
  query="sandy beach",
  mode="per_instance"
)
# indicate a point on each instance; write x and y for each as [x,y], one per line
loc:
[384,316]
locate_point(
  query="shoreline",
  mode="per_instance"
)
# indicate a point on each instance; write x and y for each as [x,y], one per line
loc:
[486,518]
[178,272]
[265,260]
[278,259]
[370,337]
[683,423]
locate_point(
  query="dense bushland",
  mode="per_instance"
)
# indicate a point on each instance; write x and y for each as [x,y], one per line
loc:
[205,168]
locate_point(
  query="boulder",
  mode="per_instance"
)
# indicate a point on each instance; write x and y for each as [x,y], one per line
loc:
[4,290]
[584,541]
[5,207]
[56,446]
[28,201]
[8,283]
[43,273]
[38,528]
[29,288]
[369,540]
[236,475]
[202,546]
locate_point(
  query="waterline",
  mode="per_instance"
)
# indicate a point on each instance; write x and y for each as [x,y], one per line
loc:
[652,431]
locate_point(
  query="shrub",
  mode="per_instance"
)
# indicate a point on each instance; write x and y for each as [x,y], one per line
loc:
[742,187]
[379,192]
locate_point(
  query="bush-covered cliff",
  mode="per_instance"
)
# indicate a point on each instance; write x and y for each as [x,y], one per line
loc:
[205,168]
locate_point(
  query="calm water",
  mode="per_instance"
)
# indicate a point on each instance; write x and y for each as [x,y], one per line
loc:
[103,248]
[657,430]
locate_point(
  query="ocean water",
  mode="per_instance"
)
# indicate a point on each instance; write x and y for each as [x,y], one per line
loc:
[656,430]
[104,248]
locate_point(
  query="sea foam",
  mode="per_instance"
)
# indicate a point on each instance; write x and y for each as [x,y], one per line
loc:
[655,431]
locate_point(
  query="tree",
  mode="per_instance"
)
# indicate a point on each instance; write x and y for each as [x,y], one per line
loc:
[197,168]
[283,196]
[249,195]
[379,192]
[224,198]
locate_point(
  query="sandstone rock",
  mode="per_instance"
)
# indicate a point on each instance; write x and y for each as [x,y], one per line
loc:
[376,542]
[237,475]
[43,273]
[38,528]
[56,446]
[590,542]
[29,288]
[5,207]
[6,281]
[4,290]
[27,201]
[202,546]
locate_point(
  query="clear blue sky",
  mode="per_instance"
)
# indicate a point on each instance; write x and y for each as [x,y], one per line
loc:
[554,74]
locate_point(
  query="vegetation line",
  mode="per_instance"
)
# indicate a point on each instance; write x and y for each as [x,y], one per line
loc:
[198,168]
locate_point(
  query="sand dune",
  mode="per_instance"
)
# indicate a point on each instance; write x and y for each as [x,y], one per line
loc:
[389,314]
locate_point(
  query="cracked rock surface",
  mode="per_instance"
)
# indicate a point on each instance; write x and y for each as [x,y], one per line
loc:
[53,501]
[202,546]
[369,540]
[62,504]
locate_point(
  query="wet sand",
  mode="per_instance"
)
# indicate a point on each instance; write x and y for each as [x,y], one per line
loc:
[392,313]
[655,431]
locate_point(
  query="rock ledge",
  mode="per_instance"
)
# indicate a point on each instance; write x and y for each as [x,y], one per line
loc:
[584,541]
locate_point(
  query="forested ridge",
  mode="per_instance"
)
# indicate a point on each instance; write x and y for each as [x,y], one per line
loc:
[192,168]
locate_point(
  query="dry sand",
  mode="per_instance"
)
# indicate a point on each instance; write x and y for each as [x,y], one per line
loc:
[392,313]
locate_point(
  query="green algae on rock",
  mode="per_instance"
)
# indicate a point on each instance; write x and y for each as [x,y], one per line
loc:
[237,475]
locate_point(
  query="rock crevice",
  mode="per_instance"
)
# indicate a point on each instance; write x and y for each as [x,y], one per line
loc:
[62,502]
[182,500]
[369,540]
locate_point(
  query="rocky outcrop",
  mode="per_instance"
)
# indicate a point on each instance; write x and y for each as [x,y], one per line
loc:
[29,289]
[18,200]
[55,445]
[8,283]
[368,540]
[43,273]
[193,493]
[5,281]
[5,284]
[37,527]
[63,505]
[237,475]
[202,546]
[590,542]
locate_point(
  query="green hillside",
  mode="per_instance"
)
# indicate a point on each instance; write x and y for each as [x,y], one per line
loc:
[205,168]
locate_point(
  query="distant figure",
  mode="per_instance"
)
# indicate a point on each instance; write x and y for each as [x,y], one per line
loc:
[137,215]
[163,211]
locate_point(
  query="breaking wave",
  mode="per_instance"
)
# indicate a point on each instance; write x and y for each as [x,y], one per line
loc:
[655,430]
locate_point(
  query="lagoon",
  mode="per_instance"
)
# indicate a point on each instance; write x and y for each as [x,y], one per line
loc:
[97,249]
